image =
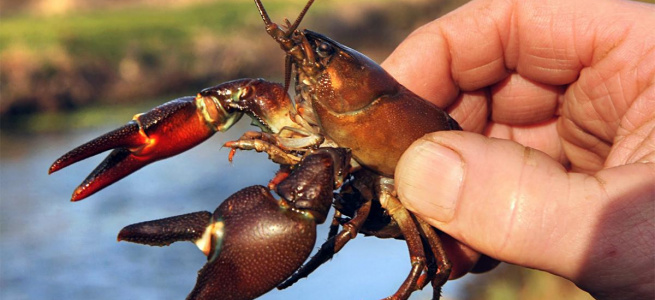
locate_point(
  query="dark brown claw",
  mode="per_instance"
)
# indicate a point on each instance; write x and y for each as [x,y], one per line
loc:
[262,243]
[254,241]
[163,232]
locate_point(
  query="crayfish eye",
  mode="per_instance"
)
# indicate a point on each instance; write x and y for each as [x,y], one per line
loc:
[324,49]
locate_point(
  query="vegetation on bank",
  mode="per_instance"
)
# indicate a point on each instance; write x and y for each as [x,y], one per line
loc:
[63,62]
[106,34]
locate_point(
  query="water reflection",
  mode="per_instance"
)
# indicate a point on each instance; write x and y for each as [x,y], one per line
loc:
[53,249]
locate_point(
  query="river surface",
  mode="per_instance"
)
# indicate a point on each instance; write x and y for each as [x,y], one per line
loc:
[51,248]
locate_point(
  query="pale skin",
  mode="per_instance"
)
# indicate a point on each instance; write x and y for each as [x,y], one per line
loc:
[557,168]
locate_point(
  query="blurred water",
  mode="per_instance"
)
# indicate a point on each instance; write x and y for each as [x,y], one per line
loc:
[53,249]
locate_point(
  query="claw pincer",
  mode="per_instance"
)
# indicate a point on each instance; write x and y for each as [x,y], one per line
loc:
[253,241]
[175,127]
[160,133]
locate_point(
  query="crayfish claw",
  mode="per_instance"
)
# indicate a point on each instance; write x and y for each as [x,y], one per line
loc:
[123,137]
[118,164]
[164,131]
[250,234]
[163,232]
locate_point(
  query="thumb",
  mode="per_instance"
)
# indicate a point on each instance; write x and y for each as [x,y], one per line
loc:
[514,203]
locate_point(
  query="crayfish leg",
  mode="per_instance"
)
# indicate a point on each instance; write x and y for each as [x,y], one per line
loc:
[413,238]
[443,264]
[275,153]
[281,147]
[334,244]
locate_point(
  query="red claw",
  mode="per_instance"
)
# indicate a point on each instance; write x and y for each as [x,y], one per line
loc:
[165,131]
[121,137]
[177,126]
[118,164]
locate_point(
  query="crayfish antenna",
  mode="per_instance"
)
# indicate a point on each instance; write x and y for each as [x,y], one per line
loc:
[300,16]
[282,37]
[263,13]
[273,29]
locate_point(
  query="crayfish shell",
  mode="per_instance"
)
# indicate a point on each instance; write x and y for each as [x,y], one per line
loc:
[263,243]
[252,241]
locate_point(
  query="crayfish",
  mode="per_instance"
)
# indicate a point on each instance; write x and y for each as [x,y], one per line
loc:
[344,131]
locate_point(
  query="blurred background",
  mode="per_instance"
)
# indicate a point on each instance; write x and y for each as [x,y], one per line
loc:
[71,70]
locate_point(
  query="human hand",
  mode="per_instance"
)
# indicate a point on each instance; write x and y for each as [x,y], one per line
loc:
[572,79]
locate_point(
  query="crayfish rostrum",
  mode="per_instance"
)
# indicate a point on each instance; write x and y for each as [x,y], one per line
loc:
[344,131]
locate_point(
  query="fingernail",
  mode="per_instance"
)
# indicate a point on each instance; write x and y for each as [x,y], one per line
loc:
[429,180]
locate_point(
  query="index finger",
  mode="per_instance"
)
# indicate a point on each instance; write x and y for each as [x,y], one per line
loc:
[484,41]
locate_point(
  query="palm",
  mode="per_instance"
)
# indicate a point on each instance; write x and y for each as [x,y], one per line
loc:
[580,97]
[580,125]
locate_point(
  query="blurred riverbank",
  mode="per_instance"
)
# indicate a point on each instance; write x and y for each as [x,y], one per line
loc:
[132,52]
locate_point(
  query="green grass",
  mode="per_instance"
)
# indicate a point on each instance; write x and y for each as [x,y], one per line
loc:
[88,58]
[107,33]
